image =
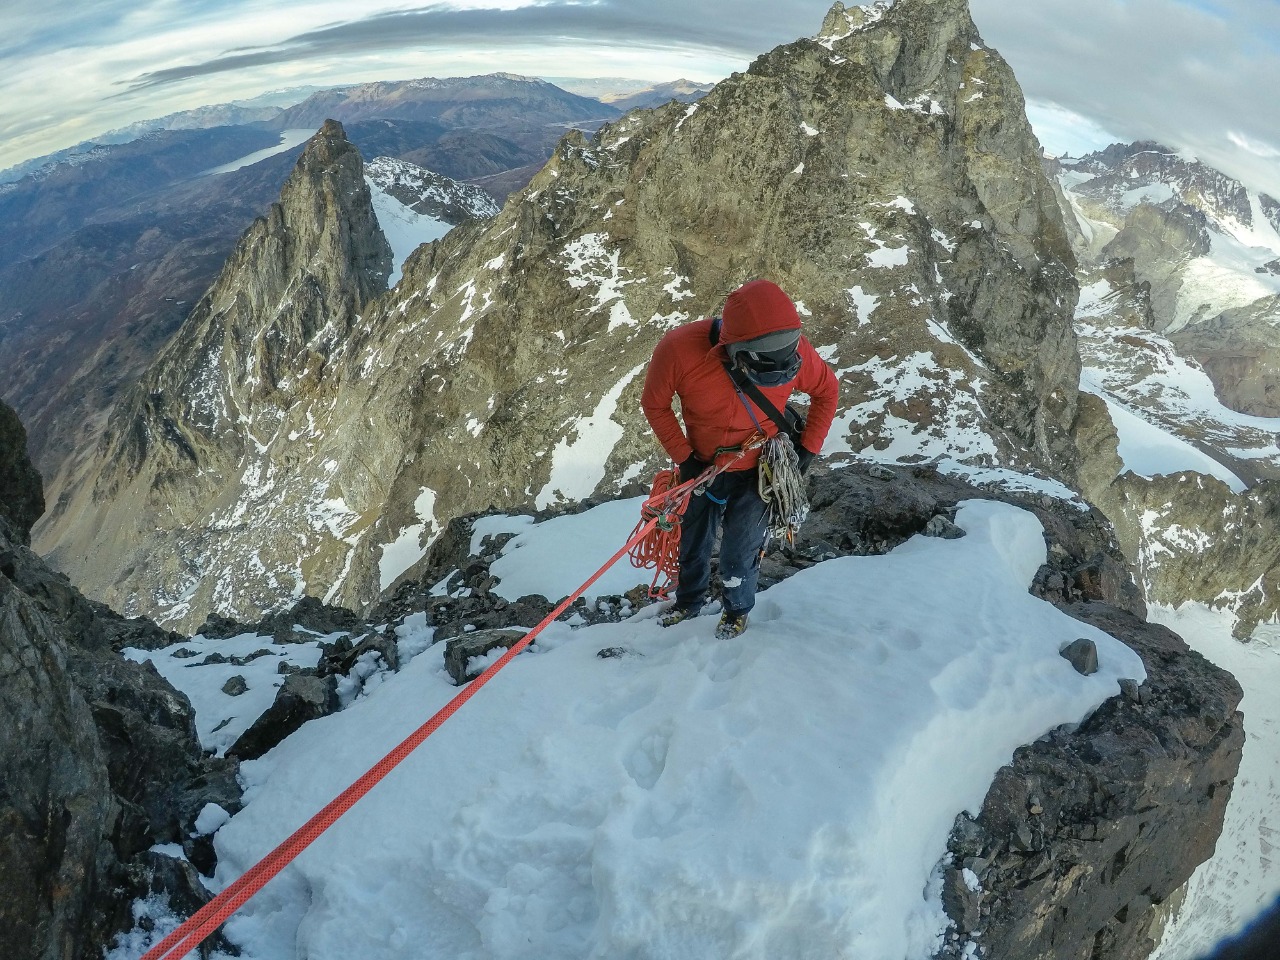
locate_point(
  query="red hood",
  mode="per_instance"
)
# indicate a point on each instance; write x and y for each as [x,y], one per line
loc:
[757,308]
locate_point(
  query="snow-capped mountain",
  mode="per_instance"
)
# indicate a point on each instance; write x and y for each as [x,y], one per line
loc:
[1177,325]
[415,206]
[428,193]
[933,271]
[1206,246]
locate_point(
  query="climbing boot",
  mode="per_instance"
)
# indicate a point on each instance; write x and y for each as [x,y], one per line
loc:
[678,614]
[731,625]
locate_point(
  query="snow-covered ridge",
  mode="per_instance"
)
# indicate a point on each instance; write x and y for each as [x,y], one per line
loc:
[415,205]
[645,804]
[420,188]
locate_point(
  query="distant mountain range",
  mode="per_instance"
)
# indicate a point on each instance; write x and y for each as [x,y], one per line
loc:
[323,415]
[109,245]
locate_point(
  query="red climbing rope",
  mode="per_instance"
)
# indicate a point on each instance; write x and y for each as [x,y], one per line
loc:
[208,918]
[660,549]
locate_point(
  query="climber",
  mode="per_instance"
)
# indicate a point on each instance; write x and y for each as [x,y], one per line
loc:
[759,339]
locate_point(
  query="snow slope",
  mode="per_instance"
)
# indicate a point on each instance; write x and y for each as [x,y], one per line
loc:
[788,794]
[404,228]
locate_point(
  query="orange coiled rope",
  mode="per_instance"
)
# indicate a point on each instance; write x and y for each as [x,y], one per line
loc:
[659,550]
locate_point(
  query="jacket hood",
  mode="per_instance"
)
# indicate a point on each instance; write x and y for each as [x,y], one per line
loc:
[757,308]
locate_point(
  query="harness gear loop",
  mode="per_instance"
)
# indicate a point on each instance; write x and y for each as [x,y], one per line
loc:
[782,488]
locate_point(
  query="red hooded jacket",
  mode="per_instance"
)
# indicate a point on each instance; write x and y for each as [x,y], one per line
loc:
[687,365]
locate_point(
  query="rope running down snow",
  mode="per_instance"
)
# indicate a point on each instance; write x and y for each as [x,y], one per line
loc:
[193,931]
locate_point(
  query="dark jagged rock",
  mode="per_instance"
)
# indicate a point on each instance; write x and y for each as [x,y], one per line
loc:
[459,651]
[235,686]
[314,617]
[57,812]
[218,627]
[1083,655]
[302,697]
[100,763]
[179,882]
[1087,830]
[21,490]
[139,633]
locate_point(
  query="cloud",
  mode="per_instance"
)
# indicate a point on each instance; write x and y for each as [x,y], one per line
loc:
[1195,74]
[1186,74]
[1264,150]
[441,26]
[80,73]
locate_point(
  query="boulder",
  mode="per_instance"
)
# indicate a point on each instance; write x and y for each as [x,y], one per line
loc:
[1083,655]
[460,650]
[301,697]
[1088,829]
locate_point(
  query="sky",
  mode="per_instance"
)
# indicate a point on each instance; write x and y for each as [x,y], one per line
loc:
[1194,74]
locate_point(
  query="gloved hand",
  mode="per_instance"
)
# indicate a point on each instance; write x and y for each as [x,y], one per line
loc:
[806,459]
[691,467]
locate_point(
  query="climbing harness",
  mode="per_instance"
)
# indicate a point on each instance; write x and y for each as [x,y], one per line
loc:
[659,549]
[782,488]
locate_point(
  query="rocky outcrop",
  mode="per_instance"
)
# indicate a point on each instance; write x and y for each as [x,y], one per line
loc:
[1240,352]
[100,763]
[187,440]
[301,698]
[21,490]
[882,172]
[1088,832]
[1159,242]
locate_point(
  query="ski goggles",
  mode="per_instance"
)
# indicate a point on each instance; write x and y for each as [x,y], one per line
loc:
[769,360]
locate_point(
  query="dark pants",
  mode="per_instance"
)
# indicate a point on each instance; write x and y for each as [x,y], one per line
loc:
[732,501]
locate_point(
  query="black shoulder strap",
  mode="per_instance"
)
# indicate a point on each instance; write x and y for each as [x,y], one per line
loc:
[744,385]
[714,333]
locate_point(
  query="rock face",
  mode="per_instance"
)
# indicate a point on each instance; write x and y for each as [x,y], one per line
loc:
[21,491]
[1088,832]
[883,173]
[185,441]
[100,763]
[1240,352]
